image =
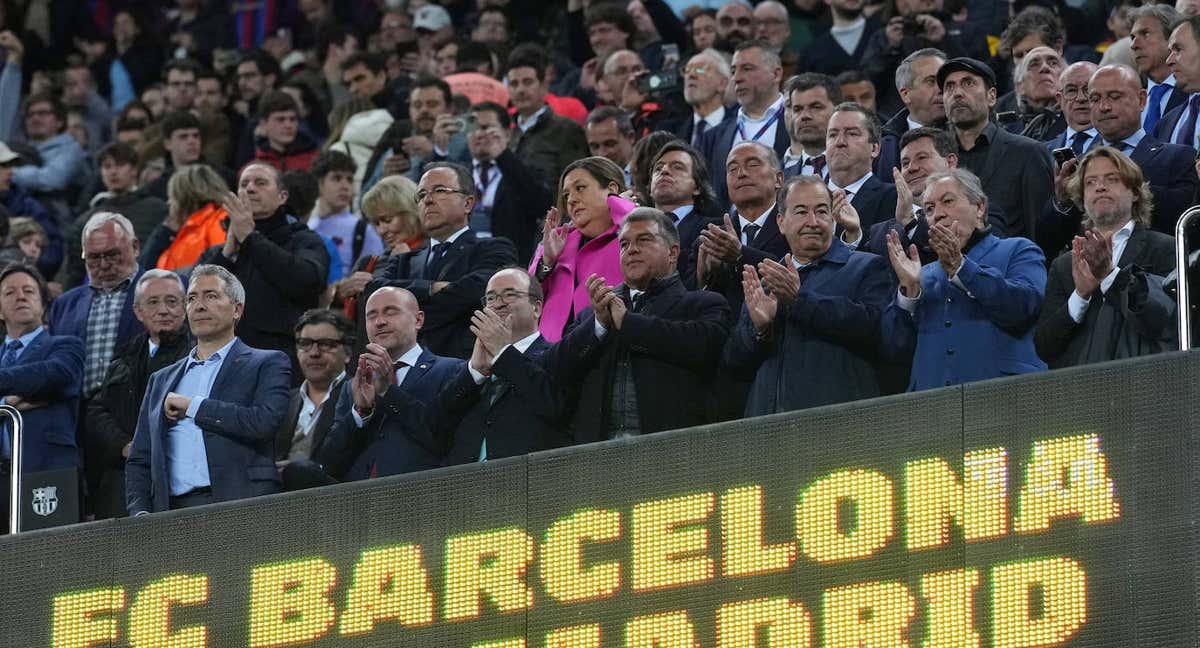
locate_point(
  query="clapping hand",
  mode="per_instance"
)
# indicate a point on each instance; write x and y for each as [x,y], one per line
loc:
[494,331]
[847,216]
[721,242]
[554,236]
[759,305]
[906,266]
[904,199]
[781,279]
[947,247]
[601,296]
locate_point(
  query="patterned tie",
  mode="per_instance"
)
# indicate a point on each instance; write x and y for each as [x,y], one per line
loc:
[701,126]
[1154,106]
[818,165]
[7,360]
[1187,134]
[1077,142]
[750,231]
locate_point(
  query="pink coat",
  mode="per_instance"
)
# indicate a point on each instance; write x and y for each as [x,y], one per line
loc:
[565,287]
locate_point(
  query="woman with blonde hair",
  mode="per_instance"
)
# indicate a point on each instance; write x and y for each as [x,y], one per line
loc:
[391,206]
[588,193]
[194,222]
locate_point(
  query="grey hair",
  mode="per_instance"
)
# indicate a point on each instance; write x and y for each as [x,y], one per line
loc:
[233,287]
[773,4]
[1023,67]
[719,60]
[904,73]
[1165,14]
[152,275]
[100,219]
[666,227]
[968,182]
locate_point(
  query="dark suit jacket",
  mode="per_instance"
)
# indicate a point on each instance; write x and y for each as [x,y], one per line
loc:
[1134,308]
[521,199]
[875,202]
[875,241]
[689,241]
[826,56]
[1017,174]
[1170,119]
[69,314]
[397,438]
[247,401]
[718,141]
[674,343]
[287,430]
[50,370]
[467,266]
[684,127]
[769,243]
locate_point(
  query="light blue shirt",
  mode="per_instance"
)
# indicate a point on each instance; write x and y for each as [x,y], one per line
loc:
[682,212]
[187,459]
[1132,141]
[26,340]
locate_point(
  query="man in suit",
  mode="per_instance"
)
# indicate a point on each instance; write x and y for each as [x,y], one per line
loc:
[661,341]
[808,339]
[206,429]
[810,98]
[916,82]
[112,414]
[851,144]
[1149,30]
[679,187]
[705,78]
[969,315]
[1015,171]
[1180,124]
[324,342]
[448,274]
[511,197]
[1118,99]
[923,151]
[375,431]
[1076,108]
[40,375]
[100,313]
[1104,298]
[756,77]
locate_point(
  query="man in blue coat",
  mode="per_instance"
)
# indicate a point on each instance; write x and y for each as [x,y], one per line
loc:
[206,430]
[808,338]
[969,315]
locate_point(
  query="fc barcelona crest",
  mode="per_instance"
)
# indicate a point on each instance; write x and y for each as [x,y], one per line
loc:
[45,500]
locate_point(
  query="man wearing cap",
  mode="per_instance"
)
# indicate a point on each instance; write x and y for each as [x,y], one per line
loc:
[1015,171]
[432,23]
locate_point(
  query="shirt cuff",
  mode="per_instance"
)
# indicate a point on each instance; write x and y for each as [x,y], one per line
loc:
[856,242]
[1108,280]
[600,330]
[475,375]
[907,303]
[358,420]
[193,407]
[1077,306]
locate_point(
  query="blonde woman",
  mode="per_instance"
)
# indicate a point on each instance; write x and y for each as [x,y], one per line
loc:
[391,206]
[195,219]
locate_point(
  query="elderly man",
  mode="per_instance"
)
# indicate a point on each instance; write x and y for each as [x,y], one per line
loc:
[969,315]
[324,343]
[1036,80]
[1075,106]
[112,414]
[281,262]
[916,81]
[756,77]
[206,428]
[807,339]
[100,312]
[704,80]
[988,151]
[809,101]
[1104,298]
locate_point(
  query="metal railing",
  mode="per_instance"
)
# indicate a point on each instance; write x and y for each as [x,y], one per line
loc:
[1182,266]
[14,485]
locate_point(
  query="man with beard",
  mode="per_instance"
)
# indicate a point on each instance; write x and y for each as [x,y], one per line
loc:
[735,25]
[1015,171]
[842,47]
[1104,297]
[916,81]
[810,100]
[112,413]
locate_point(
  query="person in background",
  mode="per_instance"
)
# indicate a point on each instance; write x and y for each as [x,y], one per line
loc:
[20,202]
[283,145]
[352,235]
[25,243]
[195,220]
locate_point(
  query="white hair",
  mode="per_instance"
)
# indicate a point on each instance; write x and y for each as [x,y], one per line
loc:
[718,59]
[100,219]
[152,275]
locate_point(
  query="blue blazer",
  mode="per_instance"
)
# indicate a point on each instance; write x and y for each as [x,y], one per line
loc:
[69,313]
[956,337]
[875,202]
[1171,171]
[718,141]
[50,370]
[246,405]
[396,439]
[1171,116]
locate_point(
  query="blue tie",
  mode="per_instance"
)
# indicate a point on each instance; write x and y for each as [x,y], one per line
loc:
[701,126]
[433,263]
[1077,142]
[1154,106]
[7,360]
[1187,133]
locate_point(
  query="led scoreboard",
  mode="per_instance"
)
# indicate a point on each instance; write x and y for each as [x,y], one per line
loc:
[1053,511]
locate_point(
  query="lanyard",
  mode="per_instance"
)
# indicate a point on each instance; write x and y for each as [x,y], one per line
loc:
[774,118]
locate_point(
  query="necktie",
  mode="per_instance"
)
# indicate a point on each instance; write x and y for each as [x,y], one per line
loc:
[1125,147]
[701,126]
[673,217]
[750,231]
[818,165]
[1187,133]
[484,167]
[7,360]
[1077,142]
[635,302]
[1154,106]
[433,263]
[396,367]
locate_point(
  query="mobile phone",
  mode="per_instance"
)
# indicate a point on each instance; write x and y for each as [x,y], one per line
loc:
[1063,155]
[467,123]
[657,83]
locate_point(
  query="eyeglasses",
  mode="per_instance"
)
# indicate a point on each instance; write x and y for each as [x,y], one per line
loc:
[325,344]
[1071,93]
[507,296]
[438,191]
[97,260]
[695,69]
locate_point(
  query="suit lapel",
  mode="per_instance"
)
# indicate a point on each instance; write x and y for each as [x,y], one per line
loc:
[331,401]
[230,366]
[1133,248]
[416,372]
[417,261]
[451,256]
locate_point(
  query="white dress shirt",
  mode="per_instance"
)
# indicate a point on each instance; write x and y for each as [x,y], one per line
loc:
[1077,304]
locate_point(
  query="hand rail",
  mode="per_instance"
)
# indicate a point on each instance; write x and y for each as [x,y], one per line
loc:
[14,485]
[1181,271]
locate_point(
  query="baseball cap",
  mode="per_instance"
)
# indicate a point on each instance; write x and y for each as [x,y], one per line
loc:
[966,64]
[431,17]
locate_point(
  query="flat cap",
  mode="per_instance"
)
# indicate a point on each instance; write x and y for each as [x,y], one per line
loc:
[965,64]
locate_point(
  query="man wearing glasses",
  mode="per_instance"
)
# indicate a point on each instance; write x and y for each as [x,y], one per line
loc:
[704,80]
[448,274]
[100,312]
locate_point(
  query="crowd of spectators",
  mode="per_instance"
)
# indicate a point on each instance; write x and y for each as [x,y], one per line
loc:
[252,247]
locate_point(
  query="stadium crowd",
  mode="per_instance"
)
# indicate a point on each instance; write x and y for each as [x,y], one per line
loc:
[253,247]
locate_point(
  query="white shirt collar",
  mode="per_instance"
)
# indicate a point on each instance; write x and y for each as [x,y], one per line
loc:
[410,357]
[218,355]
[771,110]
[713,118]
[1169,81]
[524,343]
[526,124]
[760,221]
[853,187]
[449,239]
[681,212]
[912,125]
[304,390]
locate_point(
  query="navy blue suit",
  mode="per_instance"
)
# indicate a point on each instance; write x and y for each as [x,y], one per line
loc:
[246,405]
[985,332]
[69,314]
[875,202]
[396,439]
[718,141]
[1170,119]
[684,127]
[49,370]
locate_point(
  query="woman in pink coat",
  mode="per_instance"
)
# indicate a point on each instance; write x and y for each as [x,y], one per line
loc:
[587,245]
